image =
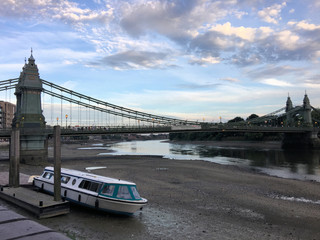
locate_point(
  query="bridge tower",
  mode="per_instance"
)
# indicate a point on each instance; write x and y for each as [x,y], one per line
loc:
[306,111]
[28,117]
[289,107]
[300,140]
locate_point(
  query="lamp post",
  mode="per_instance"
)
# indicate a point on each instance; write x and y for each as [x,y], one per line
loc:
[57,121]
[66,121]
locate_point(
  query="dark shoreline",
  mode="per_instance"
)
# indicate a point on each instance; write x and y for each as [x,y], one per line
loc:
[276,145]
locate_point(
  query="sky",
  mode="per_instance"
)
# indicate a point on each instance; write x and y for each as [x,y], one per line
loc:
[195,60]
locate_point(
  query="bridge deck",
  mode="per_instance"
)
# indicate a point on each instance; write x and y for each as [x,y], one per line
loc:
[161,129]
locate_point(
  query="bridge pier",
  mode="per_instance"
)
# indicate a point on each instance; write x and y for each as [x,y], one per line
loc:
[308,140]
[34,148]
[14,171]
[57,162]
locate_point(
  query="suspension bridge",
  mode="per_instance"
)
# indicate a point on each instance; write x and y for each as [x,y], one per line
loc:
[90,116]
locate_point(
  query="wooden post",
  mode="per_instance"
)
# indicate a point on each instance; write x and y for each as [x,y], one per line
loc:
[14,177]
[57,162]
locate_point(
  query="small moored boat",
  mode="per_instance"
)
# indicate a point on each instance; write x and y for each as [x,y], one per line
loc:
[95,191]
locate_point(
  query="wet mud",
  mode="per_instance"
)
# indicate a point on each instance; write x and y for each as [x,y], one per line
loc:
[191,200]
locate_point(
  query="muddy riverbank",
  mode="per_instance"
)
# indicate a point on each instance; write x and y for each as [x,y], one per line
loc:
[191,200]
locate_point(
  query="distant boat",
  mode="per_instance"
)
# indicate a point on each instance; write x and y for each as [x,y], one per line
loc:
[94,191]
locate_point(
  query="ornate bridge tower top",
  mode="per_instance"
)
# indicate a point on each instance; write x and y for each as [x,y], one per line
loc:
[28,91]
[306,102]
[289,105]
[307,110]
[29,77]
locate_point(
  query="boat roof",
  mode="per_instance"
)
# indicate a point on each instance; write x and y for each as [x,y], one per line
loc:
[91,176]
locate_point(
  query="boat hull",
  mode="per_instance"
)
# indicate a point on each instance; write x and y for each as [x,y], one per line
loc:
[95,201]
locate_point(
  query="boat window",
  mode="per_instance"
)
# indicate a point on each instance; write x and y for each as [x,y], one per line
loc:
[91,186]
[84,184]
[123,192]
[74,181]
[47,175]
[135,192]
[65,179]
[108,190]
[94,187]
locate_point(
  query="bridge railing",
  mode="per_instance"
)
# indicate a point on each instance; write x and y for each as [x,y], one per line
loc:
[114,130]
[6,133]
[262,128]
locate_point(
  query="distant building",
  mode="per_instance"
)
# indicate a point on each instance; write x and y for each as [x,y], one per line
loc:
[7,114]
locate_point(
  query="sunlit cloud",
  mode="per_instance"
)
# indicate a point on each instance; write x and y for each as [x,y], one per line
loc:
[276,82]
[204,60]
[272,14]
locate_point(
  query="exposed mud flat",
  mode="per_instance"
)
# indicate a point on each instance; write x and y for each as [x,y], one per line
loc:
[191,200]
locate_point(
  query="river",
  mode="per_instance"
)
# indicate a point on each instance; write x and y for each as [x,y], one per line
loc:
[295,164]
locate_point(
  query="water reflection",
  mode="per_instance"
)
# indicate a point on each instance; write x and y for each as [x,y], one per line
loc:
[299,164]
[267,158]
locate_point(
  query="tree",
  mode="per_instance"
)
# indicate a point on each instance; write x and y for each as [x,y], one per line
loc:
[236,119]
[315,114]
[252,116]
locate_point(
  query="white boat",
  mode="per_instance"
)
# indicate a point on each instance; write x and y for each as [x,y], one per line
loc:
[95,191]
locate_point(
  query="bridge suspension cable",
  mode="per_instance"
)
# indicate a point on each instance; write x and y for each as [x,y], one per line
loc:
[8,84]
[117,110]
[89,104]
[274,115]
[315,109]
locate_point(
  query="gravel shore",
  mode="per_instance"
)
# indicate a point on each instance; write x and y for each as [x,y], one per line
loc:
[192,200]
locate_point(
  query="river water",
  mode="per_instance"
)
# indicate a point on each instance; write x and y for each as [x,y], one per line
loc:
[295,164]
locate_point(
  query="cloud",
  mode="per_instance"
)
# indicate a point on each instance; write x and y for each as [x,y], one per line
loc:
[179,21]
[199,31]
[134,60]
[271,71]
[69,84]
[314,79]
[283,45]
[314,4]
[272,14]
[240,32]
[287,40]
[232,80]
[276,82]
[163,18]
[199,86]
[304,25]
[52,10]
[204,61]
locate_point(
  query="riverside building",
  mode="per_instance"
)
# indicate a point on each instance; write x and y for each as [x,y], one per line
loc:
[7,111]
